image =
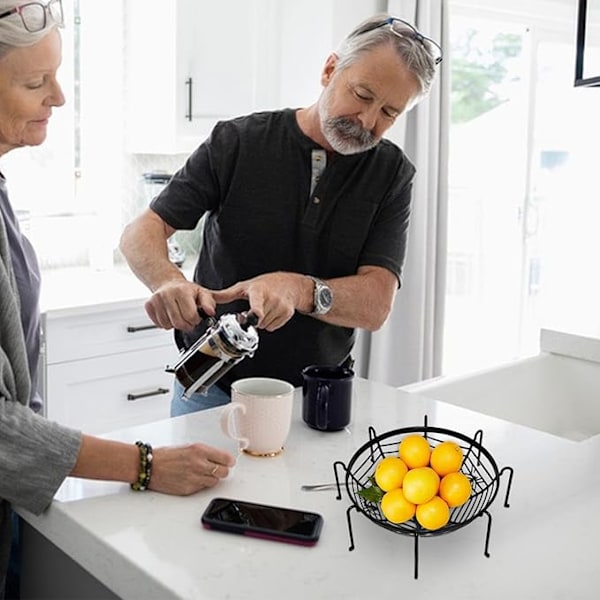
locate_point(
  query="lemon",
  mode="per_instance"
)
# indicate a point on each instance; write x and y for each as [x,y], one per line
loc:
[455,489]
[433,514]
[390,472]
[420,485]
[446,458]
[396,508]
[415,451]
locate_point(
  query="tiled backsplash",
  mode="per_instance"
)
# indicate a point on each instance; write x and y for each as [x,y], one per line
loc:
[137,165]
[68,240]
[142,193]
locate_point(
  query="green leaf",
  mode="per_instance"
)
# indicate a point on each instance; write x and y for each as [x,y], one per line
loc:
[373,493]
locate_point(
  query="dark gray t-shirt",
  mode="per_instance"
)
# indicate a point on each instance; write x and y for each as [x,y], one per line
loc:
[253,179]
[27,274]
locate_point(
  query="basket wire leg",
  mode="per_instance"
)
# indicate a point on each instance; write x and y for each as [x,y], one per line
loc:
[340,464]
[487,533]
[350,534]
[510,472]
[416,561]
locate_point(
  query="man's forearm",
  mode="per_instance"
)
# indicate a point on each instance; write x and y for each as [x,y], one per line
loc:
[363,300]
[144,246]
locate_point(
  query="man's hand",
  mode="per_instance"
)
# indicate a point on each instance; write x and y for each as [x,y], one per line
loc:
[175,304]
[361,300]
[273,297]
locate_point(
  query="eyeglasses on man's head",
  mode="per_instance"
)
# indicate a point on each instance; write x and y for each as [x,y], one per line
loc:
[403,29]
[35,15]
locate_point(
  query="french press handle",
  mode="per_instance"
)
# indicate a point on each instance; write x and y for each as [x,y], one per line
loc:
[178,334]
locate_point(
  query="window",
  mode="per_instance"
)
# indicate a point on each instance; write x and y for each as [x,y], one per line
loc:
[523,205]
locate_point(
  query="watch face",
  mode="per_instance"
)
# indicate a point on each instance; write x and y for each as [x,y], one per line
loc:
[325,297]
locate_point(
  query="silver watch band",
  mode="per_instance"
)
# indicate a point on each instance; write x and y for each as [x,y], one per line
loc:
[322,297]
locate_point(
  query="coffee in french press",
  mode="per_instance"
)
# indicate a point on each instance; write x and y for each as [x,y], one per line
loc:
[225,343]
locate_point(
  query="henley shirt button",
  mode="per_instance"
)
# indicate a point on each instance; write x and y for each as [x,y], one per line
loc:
[316,200]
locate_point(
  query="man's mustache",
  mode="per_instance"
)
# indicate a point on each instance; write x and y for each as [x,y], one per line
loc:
[347,129]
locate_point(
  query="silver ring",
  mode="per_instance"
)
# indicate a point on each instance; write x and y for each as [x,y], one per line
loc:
[214,470]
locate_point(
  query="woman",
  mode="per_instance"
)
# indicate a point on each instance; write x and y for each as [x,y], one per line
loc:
[36,455]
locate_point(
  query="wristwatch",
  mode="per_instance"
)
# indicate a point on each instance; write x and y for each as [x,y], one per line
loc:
[322,297]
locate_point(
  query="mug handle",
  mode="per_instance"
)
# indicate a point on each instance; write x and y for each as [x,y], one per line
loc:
[323,388]
[228,423]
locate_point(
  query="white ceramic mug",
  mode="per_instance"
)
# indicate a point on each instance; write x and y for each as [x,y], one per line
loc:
[260,414]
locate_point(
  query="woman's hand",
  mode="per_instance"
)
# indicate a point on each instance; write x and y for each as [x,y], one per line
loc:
[184,470]
[178,470]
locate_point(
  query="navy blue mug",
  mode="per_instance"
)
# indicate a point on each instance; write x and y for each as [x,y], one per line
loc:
[327,397]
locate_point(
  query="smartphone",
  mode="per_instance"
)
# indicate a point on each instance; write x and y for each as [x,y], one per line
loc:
[263,521]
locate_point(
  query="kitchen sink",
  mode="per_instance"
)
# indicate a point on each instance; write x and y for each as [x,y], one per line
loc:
[550,392]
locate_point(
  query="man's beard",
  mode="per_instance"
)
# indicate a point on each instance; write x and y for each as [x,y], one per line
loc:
[344,135]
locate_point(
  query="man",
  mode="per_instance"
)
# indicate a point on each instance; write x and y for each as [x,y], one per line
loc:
[306,214]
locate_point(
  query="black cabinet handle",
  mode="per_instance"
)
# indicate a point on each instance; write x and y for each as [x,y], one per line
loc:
[189,113]
[132,329]
[157,392]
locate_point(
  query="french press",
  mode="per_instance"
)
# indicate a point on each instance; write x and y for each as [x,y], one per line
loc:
[225,343]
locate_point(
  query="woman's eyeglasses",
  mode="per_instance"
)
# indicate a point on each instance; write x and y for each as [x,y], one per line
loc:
[404,28]
[35,15]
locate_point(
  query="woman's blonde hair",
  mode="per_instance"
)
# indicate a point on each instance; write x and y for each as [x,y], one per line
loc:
[12,32]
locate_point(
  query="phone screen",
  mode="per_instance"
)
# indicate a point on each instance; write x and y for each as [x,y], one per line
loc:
[264,521]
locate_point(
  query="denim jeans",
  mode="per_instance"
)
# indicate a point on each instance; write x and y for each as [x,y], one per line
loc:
[197,401]
[12,591]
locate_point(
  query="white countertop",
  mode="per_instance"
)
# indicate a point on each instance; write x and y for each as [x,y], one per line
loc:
[79,290]
[575,343]
[148,545]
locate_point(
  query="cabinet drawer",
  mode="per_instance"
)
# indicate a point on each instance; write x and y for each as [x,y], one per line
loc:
[101,333]
[99,395]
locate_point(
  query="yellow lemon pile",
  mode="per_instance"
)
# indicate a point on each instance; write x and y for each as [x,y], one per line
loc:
[422,482]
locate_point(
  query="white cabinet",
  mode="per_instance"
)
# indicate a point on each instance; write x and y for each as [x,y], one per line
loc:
[105,369]
[190,63]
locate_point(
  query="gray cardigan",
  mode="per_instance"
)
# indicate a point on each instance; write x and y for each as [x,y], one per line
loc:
[35,454]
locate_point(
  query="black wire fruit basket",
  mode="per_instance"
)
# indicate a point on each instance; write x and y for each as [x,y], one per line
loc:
[478,465]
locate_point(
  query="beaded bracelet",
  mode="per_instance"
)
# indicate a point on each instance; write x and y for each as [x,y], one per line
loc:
[145,473]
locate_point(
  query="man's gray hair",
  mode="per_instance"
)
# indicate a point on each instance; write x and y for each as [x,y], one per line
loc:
[372,33]
[13,34]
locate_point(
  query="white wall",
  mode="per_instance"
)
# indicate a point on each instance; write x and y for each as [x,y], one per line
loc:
[310,31]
